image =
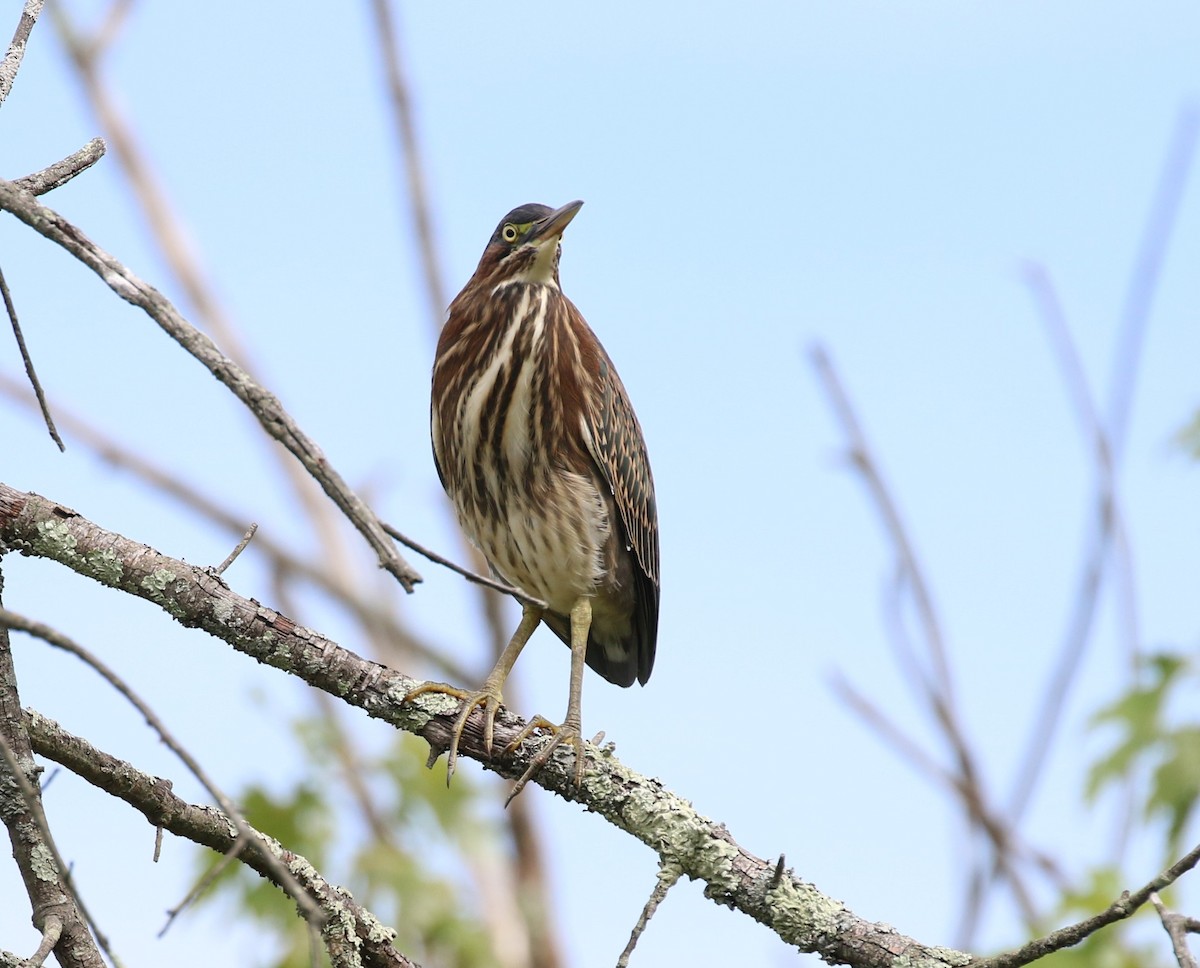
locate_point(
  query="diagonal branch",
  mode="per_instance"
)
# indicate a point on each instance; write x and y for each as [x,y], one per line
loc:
[701,848]
[262,403]
[58,174]
[1072,934]
[365,608]
[346,923]
[28,361]
[279,873]
[16,49]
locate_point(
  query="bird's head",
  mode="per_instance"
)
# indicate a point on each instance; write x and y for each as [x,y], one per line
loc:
[525,246]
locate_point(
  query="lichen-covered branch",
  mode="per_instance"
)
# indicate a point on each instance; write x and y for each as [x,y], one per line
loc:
[16,49]
[20,812]
[347,927]
[58,174]
[699,847]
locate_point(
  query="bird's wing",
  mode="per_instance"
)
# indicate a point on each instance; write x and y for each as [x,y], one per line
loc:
[619,450]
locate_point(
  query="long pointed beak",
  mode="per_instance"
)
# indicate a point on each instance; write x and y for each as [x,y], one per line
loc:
[552,226]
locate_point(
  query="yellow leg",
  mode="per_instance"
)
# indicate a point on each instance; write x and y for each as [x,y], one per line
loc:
[488,695]
[571,729]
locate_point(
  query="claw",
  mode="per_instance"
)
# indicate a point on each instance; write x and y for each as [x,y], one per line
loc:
[491,701]
[566,733]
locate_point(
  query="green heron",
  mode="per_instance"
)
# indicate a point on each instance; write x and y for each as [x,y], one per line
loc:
[538,447]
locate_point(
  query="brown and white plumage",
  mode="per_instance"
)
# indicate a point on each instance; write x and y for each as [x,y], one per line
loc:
[538,446]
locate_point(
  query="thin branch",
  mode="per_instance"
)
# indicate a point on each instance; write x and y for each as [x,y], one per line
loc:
[346,922]
[891,734]
[1177,926]
[1107,437]
[667,878]
[174,244]
[466,573]
[261,402]
[1148,264]
[414,168]
[51,932]
[1008,851]
[281,874]
[1108,526]
[200,886]
[28,361]
[106,34]
[1072,934]
[16,49]
[237,550]
[61,172]
[937,692]
[865,464]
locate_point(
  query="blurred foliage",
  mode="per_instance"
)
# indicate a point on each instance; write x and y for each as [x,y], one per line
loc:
[1156,753]
[393,835]
[1189,436]
[1149,740]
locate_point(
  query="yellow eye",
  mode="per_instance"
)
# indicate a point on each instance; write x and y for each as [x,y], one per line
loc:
[509,233]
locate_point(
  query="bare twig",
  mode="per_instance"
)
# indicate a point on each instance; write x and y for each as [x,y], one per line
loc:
[55,638]
[261,402]
[935,690]
[414,168]
[1177,926]
[668,876]
[61,172]
[466,573]
[238,549]
[1108,534]
[106,34]
[1008,848]
[16,50]
[1143,282]
[891,734]
[178,254]
[51,932]
[1107,439]
[231,854]
[28,361]
[864,463]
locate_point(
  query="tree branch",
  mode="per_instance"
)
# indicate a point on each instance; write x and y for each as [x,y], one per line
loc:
[797,912]
[1072,934]
[262,403]
[56,175]
[280,874]
[42,870]
[346,922]
[16,49]
[368,609]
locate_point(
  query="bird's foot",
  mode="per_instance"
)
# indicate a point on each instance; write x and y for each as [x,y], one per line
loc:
[489,698]
[566,733]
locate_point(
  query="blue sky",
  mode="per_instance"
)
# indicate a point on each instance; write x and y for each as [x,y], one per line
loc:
[865,175]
